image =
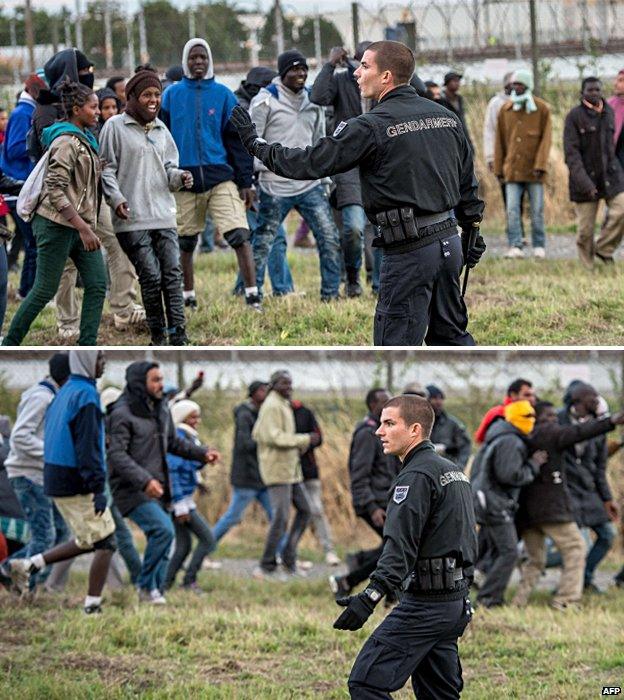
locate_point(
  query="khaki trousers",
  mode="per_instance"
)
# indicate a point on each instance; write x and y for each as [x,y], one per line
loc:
[610,234]
[122,293]
[570,543]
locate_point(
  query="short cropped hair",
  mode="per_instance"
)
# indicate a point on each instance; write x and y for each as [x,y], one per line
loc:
[395,57]
[516,385]
[541,406]
[589,79]
[414,409]
[371,396]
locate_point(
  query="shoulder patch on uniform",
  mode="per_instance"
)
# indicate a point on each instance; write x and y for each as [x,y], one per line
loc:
[400,493]
[339,128]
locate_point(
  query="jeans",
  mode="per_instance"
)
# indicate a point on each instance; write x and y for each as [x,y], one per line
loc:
[4,280]
[605,535]
[56,243]
[352,238]
[198,526]
[514,192]
[155,255]
[279,270]
[156,524]
[503,539]
[314,208]
[241,498]
[47,527]
[29,266]
[281,496]
[125,545]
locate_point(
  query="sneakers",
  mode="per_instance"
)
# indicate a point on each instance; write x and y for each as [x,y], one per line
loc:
[134,315]
[192,587]
[191,303]
[154,597]
[212,564]
[93,609]
[19,571]
[68,334]
[539,253]
[261,574]
[253,302]
[514,252]
[353,289]
[339,586]
[332,559]
[179,337]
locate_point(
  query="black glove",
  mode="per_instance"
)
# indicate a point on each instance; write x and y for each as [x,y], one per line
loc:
[358,609]
[99,503]
[246,129]
[476,251]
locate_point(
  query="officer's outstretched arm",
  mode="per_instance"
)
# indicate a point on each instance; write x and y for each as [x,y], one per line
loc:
[408,511]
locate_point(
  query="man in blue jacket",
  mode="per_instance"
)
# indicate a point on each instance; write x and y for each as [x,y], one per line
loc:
[75,477]
[197,112]
[16,163]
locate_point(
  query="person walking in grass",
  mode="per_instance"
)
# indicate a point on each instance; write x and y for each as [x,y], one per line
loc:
[66,216]
[139,179]
[75,477]
[187,519]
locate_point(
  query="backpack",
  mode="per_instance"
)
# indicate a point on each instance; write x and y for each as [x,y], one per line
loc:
[488,504]
[30,194]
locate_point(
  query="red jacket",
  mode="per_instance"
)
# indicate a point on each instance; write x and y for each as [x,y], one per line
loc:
[488,419]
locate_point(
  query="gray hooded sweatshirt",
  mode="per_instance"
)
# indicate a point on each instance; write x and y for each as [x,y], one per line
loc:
[286,117]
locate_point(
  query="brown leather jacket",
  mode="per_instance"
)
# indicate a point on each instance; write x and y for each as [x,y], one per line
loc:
[71,182]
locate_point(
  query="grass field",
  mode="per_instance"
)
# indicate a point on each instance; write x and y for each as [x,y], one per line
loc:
[249,639]
[527,302]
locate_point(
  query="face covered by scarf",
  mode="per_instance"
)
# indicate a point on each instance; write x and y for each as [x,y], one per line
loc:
[521,415]
[525,100]
[142,80]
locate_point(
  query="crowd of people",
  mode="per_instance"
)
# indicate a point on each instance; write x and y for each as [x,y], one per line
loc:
[123,182]
[538,478]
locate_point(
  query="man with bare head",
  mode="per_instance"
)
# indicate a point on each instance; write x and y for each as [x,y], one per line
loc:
[429,549]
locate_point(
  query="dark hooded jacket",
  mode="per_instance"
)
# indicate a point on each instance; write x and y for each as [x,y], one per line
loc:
[586,468]
[62,64]
[548,498]
[501,467]
[257,78]
[245,471]
[140,434]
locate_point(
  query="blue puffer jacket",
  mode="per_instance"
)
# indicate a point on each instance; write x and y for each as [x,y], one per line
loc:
[183,472]
[73,452]
[197,112]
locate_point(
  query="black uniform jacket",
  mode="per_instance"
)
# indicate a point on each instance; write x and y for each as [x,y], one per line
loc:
[371,471]
[430,514]
[548,499]
[411,152]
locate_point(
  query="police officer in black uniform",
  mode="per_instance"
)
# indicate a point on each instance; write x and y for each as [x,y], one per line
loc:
[371,473]
[418,181]
[448,435]
[429,549]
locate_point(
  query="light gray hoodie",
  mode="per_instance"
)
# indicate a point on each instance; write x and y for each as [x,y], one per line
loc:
[291,119]
[25,456]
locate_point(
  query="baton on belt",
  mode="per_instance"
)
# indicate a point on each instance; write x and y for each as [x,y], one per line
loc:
[471,241]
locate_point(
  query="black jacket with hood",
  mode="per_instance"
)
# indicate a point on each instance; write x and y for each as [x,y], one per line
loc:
[48,110]
[586,467]
[500,469]
[140,434]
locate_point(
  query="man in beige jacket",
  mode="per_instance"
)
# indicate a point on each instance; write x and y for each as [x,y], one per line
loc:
[521,150]
[279,446]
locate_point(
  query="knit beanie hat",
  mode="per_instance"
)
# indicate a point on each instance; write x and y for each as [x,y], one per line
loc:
[58,366]
[144,78]
[181,410]
[523,76]
[290,59]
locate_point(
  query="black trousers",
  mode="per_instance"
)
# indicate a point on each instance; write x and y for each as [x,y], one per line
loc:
[420,296]
[502,543]
[367,558]
[418,639]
